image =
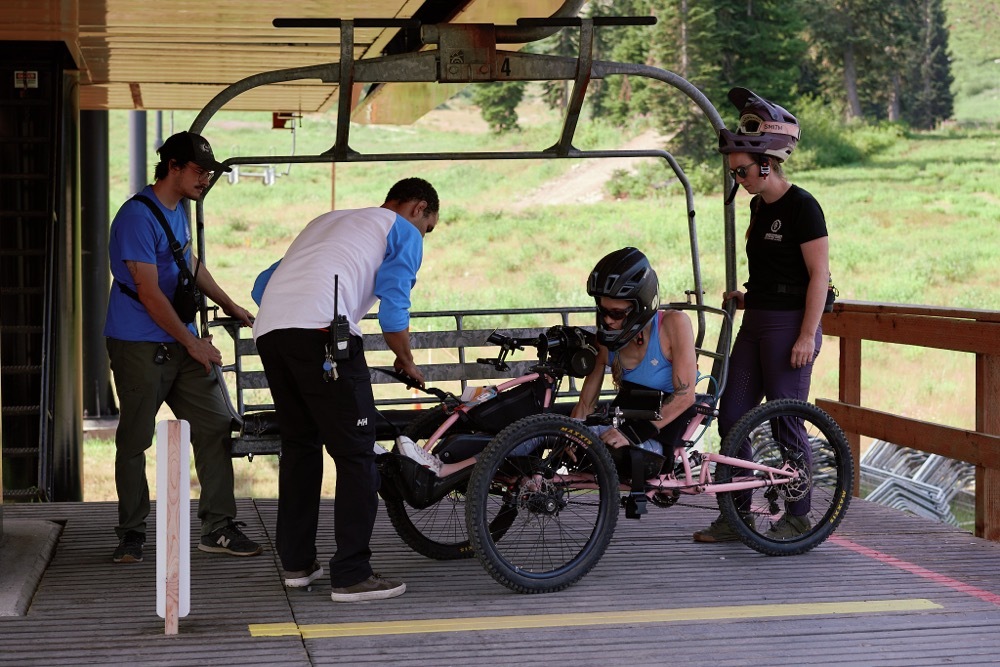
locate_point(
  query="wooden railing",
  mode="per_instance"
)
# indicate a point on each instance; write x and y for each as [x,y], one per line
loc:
[975,331]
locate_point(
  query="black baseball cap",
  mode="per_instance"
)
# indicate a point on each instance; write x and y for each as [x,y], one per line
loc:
[190,147]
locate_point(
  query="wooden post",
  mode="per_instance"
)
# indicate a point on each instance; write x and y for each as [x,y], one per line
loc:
[173,522]
[850,392]
[988,421]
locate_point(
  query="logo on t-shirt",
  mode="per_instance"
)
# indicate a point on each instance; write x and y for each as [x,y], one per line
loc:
[773,235]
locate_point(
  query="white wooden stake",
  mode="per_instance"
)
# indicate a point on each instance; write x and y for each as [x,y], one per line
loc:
[173,522]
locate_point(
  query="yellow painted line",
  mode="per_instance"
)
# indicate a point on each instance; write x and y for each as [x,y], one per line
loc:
[584,619]
[274,630]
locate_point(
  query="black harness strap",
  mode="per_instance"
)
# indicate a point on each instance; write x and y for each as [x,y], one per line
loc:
[175,247]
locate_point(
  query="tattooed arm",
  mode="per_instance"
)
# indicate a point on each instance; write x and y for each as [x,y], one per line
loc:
[677,337]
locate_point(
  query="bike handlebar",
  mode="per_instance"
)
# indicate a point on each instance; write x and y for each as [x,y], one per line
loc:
[507,345]
[561,348]
[511,343]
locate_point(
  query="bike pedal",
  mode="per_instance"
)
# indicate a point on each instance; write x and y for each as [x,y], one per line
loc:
[635,506]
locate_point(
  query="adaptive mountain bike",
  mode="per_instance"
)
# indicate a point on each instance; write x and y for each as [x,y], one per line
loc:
[535,495]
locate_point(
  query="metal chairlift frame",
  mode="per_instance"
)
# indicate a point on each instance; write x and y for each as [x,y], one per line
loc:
[450,63]
[269,173]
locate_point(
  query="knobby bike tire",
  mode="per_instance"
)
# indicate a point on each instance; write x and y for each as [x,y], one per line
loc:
[438,531]
[772,434]
[555,531]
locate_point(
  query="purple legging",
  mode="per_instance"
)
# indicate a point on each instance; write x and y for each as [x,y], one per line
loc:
[760,367]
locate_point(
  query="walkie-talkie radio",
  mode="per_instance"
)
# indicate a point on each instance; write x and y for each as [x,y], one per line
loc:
[340,335]
[340,328]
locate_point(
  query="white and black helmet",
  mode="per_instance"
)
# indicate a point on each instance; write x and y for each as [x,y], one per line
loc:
[764,128]
[625,274]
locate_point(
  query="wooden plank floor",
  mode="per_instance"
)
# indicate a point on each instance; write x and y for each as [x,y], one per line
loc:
[935,591]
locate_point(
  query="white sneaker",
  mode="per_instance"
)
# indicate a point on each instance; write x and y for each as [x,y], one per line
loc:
[302,578]
[415,452]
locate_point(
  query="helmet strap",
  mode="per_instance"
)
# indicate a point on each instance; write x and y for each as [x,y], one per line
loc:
[732,194]
[764,166]
[640,339]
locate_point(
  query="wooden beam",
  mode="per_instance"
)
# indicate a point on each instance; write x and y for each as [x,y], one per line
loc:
[916,309]
[977,448]
[923,331]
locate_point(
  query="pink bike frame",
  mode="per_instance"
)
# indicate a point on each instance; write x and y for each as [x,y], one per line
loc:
[464,408]
[775,476]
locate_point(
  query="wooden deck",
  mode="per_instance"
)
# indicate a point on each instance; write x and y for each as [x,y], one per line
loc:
[888,589]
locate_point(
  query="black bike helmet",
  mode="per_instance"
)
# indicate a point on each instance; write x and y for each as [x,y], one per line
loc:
[625,274]
[764,127]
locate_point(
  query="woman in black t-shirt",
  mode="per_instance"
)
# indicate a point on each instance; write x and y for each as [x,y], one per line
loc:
[788,259]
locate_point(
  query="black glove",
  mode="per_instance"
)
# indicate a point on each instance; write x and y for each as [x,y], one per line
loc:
[638,430]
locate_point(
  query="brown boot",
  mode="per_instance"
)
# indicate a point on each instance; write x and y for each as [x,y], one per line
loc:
[719,531]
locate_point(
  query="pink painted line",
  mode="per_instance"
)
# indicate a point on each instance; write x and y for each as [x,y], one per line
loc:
[936,577]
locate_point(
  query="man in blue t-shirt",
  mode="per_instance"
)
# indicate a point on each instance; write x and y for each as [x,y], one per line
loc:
[340,264]
[156,357]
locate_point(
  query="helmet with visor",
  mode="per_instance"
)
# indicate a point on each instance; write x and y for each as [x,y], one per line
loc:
[624,275]
[764,127]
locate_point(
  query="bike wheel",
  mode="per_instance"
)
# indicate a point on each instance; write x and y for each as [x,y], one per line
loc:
[797,434]
[438,531]
[550,482]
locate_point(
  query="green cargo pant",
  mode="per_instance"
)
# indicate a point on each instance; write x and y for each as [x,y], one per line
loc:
[143,386]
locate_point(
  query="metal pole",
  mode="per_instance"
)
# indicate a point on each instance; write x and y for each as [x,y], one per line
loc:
[137,150]
[65,469]
[98,399]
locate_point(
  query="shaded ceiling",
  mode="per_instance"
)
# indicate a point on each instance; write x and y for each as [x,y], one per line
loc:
[178,54]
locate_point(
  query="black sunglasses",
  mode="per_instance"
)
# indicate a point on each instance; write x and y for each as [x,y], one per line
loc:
[741,171]
[615,314]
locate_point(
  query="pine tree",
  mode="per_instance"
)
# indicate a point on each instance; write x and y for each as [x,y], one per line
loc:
[618,99]
[718,44]
[565,42]
[844,46]
[762,46]
[687,42]
[929,99]
[883,58]
[498,102]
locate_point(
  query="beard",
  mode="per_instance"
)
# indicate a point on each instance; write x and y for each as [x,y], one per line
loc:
[195,192]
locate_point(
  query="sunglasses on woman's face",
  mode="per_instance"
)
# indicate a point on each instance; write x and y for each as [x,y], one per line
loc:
[741,171]
[615,314]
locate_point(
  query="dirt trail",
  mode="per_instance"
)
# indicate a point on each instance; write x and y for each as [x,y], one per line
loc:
[584,182]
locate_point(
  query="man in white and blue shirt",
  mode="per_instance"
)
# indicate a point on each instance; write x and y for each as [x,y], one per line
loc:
[342,261]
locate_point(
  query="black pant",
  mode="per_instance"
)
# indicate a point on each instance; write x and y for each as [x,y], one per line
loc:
[311,413]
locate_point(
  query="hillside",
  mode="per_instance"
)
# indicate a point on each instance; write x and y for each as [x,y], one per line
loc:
[973,26]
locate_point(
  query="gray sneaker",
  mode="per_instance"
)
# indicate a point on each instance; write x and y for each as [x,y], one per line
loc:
[375,587]
[789,527]
[302,578]
[229,540]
